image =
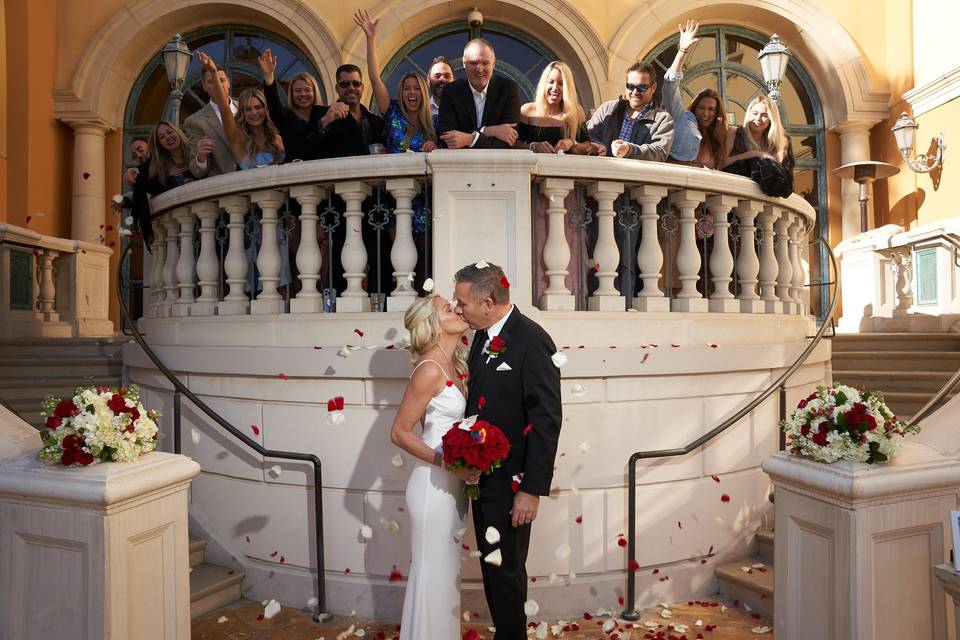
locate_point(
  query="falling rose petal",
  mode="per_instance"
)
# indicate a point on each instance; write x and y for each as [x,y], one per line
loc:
[679,525]
[29,218]
[759,630]
[621,541]
[633,565]
[584,446]
[471,634]
[553,579]
[562,552]
[463,376]
[504,282]
[274,554]
[609,625]
[86,175]
[715,478]
[464,340]
[282,376]
[587,615]
[358,332]
[427,285]
[366,532]
[255,429]
[395,575]
[335,418]
[260,617]
[117,198]
[459,533]
[397,460]
[596,267]
[578,390]
[475,553]
[492,536]
[531,608]
[194,436]
[645,356]
[724,498]
[559,359]
[248,539]
[282,559]
[674,345]
[579,519]
[655,571]
[527,429]
[347,570]
[276,471]
[481,265]
[494,557]
[449,383]
[712,345]
[222,619]
[481,402]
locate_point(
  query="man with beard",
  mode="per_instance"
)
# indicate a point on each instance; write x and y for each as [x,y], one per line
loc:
[346,127]
[441,74]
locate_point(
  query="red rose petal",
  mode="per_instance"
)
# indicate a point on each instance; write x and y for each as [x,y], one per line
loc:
[260,617]
[230,573]
[710,551]
[622,542]
[679,525]
[620,600]
[579,519]
[463,376]
[471,634]
[587,615]
[633,565]
[674,344]
[86,175]
[389,346]
[596,266]
[256,429]
[504,282]
[248,539]
[395,575]
[358,332]
[282,559]
[527,429]
[347,570]
[464,340]
[724,498]
[656,571]
[272,555]
[282,376]
[645,356]
[449,383]
[482,401]
[715,478]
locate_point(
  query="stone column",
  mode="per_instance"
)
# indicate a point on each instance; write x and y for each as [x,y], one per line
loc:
[854,146]
[95,552]
[650,255]
[688,256]
[208,268]
[235,263]
[856,543]
[606,254]
[89,202]
[354,253]
[48,290]
[309,258]
[403,255]
[721,260]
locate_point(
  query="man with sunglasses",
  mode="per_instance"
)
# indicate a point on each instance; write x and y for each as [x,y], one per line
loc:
[633,127]
[346,127]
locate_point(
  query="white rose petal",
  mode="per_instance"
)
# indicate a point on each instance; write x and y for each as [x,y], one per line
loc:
[557,629]
[492,536]
[222,619]
[335,417]
[125,232]
[681,628]
[572,576]
[312,602]
[698,623]
[366,532]
[559,359]
[602,612]
[360,633]
[117,198]
[494,557]
[758,565]
[578,390]
[666,614]
[608,625]
[531,608]
[475,554]
[650,624]
[553,579]
[747,608]
[264,602]
[343,635]
[563,552]
[723,608]
[584,446]
[194,436]
[541,633]
[458,536]
[128,221]
[345,352]
[467,423]
[271,610]
[481,265]
[761,630]
[397,460]
[466,616]
[276,471]
[427,285]
[390,525]
[745,569]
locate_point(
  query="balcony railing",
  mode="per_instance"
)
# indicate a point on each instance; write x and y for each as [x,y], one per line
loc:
[597,234]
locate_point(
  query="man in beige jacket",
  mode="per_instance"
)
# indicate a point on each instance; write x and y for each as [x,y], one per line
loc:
[207,123]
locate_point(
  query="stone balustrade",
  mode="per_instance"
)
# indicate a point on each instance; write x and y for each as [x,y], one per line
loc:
[56,288]
[702,241]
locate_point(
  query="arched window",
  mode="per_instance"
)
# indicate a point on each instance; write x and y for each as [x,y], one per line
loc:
[520,56]
[725,59]
[235,49]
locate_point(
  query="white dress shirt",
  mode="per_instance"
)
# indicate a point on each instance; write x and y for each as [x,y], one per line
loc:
[479,100]
[434,107]
[497,327]
[216,110]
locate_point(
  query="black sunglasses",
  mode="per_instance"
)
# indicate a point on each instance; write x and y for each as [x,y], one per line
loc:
[343,84]
[639,88]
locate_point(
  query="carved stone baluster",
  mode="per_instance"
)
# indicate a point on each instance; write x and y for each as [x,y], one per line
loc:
[606,254]
[403,255]
[353,257]
[688,256]
[721,260]
[309,257]
[208,268]
[186,263]
[268,259]
[158,256]
[768,260]
[556,251]
[796,281]
[171,293]
[235,264]
[650,255]
[903,268]
[37,268]
[784,268]
[748,263]
[48,289]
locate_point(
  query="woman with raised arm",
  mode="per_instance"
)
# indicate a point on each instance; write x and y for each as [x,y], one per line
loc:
[700,134]
[435,399]
[254,139]
[554,122]
[760,148]
[293,122]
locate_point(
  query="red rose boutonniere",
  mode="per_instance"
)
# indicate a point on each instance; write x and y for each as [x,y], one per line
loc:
[496,347]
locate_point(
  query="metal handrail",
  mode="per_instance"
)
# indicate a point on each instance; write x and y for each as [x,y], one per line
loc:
[252,444]
[931,406]
[630,612]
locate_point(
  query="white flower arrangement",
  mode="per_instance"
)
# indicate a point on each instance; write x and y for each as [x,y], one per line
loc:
[842,423]
[98,424]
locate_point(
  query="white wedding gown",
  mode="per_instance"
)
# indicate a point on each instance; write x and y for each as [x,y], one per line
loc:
[438,514]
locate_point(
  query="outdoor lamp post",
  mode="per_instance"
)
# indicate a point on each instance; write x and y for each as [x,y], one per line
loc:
[904,130]
[176,57]
[864,173]
[773,62]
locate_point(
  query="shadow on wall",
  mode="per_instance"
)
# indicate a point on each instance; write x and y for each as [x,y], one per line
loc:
[905,211]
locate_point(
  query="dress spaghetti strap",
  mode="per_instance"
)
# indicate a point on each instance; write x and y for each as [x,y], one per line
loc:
[434,362]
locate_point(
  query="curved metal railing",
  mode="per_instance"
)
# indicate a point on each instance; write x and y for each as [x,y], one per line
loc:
[630,612]
[933,404]
[181,389]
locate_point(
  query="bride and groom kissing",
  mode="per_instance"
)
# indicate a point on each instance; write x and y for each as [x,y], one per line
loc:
[509,380]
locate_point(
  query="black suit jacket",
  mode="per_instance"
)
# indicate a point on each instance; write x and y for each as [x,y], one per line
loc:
[528,393]
[458,112]
[343,137]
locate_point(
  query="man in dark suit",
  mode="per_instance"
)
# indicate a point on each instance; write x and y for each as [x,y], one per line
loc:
[346,127]
[207,123]
[481,111]
[514,385]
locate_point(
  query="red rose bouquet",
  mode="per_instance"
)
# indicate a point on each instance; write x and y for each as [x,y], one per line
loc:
[476,444]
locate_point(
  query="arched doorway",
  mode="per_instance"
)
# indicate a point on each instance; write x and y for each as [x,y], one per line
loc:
[725,59]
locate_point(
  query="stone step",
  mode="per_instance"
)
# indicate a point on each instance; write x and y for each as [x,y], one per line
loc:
[59,386]
[892,381]
[48,365]
[55,347]
[896,361]
[211,587]
[765,546]
[896,342]
[197,548]
[906,404]
[752,589]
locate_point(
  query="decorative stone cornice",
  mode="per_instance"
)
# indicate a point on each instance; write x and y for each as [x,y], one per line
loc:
[931,95]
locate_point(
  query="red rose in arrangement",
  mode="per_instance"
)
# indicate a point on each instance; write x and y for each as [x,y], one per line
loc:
[475,444]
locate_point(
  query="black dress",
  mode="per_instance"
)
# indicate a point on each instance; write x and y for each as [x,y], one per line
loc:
[528,133]
[774,178]
[147,186]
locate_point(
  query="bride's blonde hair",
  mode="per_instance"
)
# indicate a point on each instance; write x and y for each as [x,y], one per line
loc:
[423,323]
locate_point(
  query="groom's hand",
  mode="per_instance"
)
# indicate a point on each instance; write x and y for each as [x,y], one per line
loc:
[525,508]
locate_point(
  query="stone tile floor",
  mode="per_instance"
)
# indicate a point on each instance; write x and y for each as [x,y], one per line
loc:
[244,622]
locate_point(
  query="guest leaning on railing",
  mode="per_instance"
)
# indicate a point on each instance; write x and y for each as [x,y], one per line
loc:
[346,127]
[293,122]
[554,121]
[171,161]
[760,149]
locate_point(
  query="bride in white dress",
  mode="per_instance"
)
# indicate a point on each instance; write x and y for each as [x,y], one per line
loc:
[436,398]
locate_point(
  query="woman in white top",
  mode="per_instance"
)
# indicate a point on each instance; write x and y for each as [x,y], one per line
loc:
[435,397]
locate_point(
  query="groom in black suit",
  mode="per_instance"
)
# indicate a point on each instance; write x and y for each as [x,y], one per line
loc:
[481,111]
[513,384]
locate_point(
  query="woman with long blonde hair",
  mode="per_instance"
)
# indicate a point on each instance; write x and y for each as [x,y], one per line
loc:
[554,122]
[760,148]
[435,397]
[303,106]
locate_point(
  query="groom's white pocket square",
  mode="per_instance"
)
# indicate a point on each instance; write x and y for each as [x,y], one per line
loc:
[504,367]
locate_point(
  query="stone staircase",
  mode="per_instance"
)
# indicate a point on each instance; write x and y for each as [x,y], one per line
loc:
[909,368]
[211,586]
[32,368]
[754,589]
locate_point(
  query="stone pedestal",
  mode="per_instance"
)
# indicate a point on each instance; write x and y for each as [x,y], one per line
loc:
[95,552]
[856,544]
[949,580]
